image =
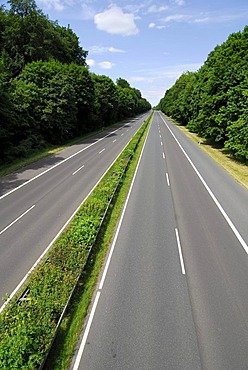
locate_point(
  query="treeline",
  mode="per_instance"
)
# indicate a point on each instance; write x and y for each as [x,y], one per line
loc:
[213,102]
[47,93]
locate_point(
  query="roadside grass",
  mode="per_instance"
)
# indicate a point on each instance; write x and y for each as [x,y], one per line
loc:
[71,326]
[236,169]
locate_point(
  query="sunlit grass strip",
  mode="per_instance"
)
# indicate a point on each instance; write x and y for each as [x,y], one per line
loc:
[27,327]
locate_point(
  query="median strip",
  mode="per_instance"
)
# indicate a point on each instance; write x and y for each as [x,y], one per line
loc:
[86,332]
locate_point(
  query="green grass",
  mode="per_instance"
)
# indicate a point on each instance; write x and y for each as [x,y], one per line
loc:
[236,169]
[71,326]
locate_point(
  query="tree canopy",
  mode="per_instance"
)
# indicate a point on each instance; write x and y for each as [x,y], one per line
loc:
[213,101]
[47,93]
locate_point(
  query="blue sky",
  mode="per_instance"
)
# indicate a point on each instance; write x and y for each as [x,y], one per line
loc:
[149,43]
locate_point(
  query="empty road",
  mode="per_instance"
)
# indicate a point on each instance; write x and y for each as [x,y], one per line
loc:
[37,202]
[174,291]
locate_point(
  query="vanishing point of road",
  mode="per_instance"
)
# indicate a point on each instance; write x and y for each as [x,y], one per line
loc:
[174,291]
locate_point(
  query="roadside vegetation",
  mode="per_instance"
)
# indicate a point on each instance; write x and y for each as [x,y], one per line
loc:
[47,93]
[213,102]
[235,168]
[29,321]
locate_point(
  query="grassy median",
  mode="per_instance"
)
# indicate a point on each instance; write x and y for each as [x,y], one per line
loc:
[71,326]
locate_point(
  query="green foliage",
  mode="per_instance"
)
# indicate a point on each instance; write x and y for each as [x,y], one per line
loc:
[129,100]
[122,83]
[28,35]
[28,326]
[237,138]
[84,90]
[8,120]
[105,105]
[44,81]
[213,101]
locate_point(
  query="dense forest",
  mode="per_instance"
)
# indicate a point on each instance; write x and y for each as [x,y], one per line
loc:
[47,93]
[213,102]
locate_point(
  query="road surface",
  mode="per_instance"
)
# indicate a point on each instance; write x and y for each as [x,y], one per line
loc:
[174,291]
[37,202]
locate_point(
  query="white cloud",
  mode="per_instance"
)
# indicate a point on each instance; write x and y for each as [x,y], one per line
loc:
[106,65]
[157,9]
[115,21]
[102,65]
[202,20]
[177,18]
[114,50]
[98,49]
[152,25]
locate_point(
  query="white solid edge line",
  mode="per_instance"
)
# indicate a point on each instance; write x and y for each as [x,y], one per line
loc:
[17,219]
[86,333]
[224,214]
[180,252]
[82,345]
[56,237]
[121,218]
[57,164]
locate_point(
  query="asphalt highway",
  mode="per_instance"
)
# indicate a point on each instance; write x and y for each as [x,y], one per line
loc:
[36,202]
[174,291]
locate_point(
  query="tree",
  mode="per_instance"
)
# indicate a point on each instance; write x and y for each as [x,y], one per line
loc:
[47,94]
[105,105]
[7,116]
[122,83]
[83,84]
[213,101]
[45,100]
[28,35]
[125,102]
